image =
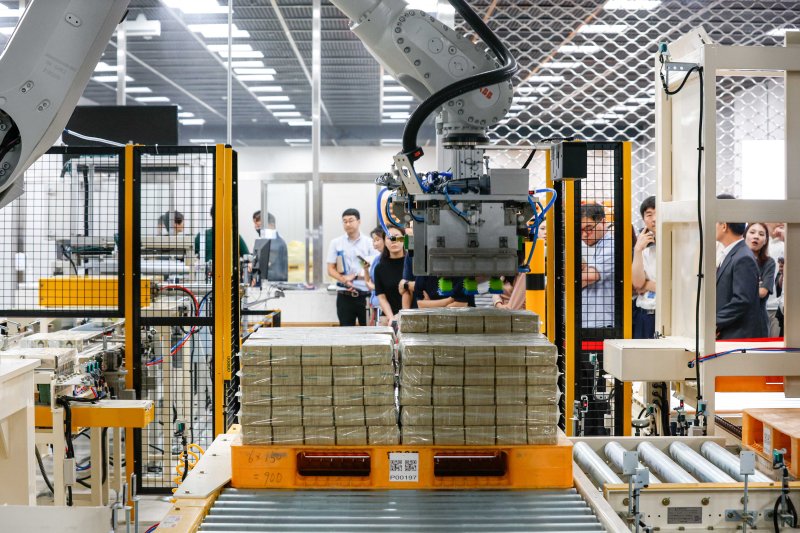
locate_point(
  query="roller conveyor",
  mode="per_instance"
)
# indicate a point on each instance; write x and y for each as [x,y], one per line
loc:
[418,511]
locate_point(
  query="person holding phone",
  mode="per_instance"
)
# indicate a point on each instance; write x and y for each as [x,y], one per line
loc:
[643,273]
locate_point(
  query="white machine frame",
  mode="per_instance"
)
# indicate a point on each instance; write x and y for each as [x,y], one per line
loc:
[678,244]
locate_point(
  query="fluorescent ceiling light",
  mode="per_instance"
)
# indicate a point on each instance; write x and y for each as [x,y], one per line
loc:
[244,54]
[395,89]
[562,64]
[579,49]
[193,121]
[138,90]
[185,114]
[202,141]
[255,77]
[620,109]
[602,28]
[524,99]
[7,12]
[389,77]
[224,47]
[270,71]
[396,115]
[397,106]
[516,108]
[217,31]
[266,89]
[297,141]
[428,6]
[632,5]
[610,115]
[299,123]
[152,99]
[398,98]
[287,114]
[643,100]
[545,79]
[102,66]
[281,106]
[282,98]
[393,121]
[780,32]
[596,122]
[8,30]
[245,64]
[197,6]
[110,79]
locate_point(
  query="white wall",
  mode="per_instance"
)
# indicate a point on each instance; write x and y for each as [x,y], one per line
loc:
[287,202]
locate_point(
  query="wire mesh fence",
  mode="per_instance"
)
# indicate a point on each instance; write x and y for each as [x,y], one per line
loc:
[586,70]
[173,247]
[60,242]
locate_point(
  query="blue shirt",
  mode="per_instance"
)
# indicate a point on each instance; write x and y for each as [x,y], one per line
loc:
[349,251]
[597,299]
[373,298]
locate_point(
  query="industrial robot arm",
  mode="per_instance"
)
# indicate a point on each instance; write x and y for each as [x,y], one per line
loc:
[46,66]
[468,219]
[468,85]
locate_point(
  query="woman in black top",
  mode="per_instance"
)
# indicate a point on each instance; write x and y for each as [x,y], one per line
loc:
[756,238]
[388,273]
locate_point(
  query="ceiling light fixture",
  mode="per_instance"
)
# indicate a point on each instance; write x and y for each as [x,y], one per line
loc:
[632,5]
[270,71]
[102,66]
[546,79]
[138,90]
[201,141]
[397,106]
[110,79]
[299,123]
[266,89]
[152,99]
[245,64]
[193,7]
[398,98]
[296,141]
[281,98]
[393,121]
[780,32]
[562,64]
[255,77]
[287,114]
[281,106]
[602,28]
[193,121]
[579,49]
[218,31]
[185,114]
[394,89]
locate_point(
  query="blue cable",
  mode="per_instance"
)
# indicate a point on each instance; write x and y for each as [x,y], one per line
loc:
[379,210]
[396,224]
[537,221]
[743,350]
[453,206]
[411,212]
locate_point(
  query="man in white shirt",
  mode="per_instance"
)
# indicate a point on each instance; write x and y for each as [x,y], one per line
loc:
[643,273]
[776,251]
[345,265]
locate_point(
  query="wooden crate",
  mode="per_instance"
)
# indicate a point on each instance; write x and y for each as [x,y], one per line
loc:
[376,467]
[765,430]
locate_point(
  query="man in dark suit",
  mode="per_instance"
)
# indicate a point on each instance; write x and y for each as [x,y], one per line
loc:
[737,286]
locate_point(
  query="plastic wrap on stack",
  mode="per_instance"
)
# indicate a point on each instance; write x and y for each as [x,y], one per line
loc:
[467,320]
[319,390]
[478,389]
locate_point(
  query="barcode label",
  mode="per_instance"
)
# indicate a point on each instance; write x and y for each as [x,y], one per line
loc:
[404,467]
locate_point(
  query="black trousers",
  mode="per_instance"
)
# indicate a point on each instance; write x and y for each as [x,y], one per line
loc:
[350,309]
[644,323]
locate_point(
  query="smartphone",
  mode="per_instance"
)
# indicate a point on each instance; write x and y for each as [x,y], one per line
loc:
[364,262]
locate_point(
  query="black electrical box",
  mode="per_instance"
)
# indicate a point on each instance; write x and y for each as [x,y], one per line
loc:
[568,161]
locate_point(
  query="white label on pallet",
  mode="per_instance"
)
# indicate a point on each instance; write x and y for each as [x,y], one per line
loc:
[404,466]
[767,440]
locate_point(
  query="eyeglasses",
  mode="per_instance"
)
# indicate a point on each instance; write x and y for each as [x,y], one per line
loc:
[589,229]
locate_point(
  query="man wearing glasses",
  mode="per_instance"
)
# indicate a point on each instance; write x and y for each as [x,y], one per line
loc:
[597,268]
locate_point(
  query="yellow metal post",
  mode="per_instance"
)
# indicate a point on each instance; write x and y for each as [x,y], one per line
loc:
[550,260]
[128,180]
[627,291]
[219,285]
[535,299]
[570,318]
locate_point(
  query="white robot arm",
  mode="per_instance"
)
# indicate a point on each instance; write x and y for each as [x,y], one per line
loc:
[468,219]
[46,66]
